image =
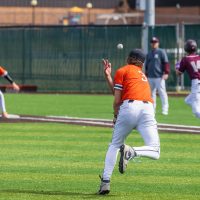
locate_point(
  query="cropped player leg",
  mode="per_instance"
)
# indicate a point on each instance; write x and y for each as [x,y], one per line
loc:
[124,125]
[152,143]
[148,130]
[119,136]
[152,82]
[188,99]
[163,96]
[2,105]
[196,105]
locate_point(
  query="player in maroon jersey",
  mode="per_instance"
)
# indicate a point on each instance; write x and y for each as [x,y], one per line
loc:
[191,64]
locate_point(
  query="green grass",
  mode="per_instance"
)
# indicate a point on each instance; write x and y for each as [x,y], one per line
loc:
[59,161]
[59,104]
[95,106]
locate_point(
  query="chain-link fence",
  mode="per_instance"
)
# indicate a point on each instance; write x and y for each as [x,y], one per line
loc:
[68,59]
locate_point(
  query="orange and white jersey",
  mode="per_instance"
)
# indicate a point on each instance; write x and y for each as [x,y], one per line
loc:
[133,83]
[3,72]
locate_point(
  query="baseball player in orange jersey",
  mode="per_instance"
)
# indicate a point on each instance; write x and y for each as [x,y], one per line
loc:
[133,109]
[5,74]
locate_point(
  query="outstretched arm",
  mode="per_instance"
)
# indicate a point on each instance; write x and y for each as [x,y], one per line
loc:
[14,85]
[5,74]
[107,73]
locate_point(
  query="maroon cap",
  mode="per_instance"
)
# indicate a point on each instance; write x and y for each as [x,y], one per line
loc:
[154,40]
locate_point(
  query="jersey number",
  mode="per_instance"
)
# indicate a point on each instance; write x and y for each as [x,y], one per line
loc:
[195,65]
[144,78]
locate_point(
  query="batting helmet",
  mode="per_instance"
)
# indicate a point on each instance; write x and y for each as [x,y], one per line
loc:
[136,57]
[137,54]
[190,46]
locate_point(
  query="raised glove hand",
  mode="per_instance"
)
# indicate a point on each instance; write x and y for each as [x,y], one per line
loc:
[107,67]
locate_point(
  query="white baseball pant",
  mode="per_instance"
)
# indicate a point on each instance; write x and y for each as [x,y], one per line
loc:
[159,84]
[193,99]
[137,115]
[2,102]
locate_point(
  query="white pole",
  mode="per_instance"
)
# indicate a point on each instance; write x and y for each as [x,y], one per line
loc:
[149,20]
[150,12]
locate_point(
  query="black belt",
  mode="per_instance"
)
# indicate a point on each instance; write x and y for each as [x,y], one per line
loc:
[131,101]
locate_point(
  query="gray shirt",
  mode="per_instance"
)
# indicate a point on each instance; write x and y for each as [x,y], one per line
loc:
[155,63]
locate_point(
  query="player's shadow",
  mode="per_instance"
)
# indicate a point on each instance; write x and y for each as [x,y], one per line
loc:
[53,193]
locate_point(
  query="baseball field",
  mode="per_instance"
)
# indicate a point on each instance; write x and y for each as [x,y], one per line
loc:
[62,161]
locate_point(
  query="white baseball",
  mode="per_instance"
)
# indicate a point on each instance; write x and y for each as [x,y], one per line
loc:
[120,46]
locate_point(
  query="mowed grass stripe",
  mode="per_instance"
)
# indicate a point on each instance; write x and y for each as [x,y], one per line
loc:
[36,182]
[186,170]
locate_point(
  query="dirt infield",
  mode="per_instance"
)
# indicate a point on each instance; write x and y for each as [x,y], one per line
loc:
[171,128]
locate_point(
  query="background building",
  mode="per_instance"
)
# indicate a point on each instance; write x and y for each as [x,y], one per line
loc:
[42,47]
[56,12]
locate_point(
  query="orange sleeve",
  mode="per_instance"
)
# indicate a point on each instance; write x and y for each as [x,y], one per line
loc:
[2,71]
[118,80]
